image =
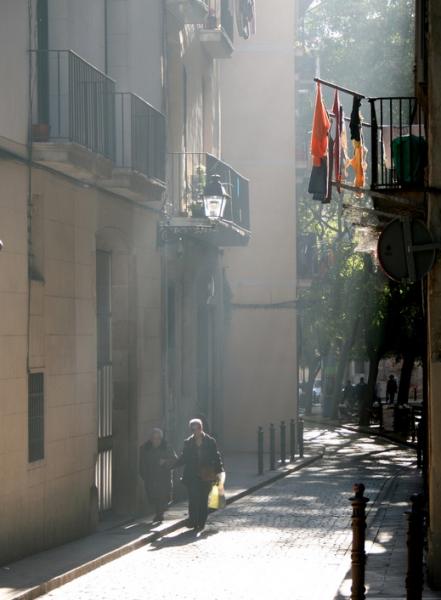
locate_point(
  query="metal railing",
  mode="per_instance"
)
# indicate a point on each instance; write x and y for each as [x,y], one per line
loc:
[140,136]
[398,143]
[189,174]
[220,16]
[75,102]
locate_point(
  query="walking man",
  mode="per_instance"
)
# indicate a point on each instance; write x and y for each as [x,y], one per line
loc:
[391,389]
[202,466]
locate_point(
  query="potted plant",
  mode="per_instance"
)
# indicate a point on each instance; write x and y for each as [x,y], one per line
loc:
[212,19]
[197,209]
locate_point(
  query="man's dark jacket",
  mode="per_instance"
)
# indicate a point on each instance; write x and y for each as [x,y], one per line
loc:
[202,463]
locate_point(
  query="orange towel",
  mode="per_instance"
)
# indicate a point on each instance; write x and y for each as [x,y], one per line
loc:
[320,130]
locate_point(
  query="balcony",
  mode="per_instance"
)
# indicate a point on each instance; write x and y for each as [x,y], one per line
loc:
[189,11]
[139,171]
[73,116]
[189,179]
[218,34]
[398,144]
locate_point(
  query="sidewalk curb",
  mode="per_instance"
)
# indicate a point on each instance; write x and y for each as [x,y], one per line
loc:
[60,580]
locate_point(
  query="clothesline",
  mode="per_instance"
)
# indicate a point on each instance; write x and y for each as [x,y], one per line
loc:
[339,88]
[330,151]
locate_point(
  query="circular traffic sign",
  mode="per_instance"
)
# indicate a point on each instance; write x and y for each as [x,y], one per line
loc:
[403,252]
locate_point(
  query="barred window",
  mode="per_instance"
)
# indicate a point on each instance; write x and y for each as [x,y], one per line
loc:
[35,417]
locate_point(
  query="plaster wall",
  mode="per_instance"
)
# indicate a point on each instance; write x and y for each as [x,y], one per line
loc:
[258,140]
[14,73]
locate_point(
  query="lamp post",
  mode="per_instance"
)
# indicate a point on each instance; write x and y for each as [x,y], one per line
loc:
[215,198]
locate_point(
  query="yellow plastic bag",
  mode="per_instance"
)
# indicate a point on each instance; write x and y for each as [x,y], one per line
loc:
[216,498]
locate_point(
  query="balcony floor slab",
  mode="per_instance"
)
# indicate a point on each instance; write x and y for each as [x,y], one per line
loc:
[135,186]
[73,160]
[216,43]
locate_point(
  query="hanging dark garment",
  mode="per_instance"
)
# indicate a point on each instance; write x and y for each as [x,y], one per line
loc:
[320,181]
[357,162]
[338,118]
[355,122]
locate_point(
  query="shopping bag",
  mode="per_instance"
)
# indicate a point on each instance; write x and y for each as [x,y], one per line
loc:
[216,498]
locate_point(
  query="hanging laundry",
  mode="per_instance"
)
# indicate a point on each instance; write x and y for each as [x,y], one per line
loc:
[320,145]
[246,18]
[338,116]
[320,130]
[344,147]
[320,181]
[357,162]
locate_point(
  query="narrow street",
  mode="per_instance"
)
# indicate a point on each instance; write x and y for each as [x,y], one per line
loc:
[290,540]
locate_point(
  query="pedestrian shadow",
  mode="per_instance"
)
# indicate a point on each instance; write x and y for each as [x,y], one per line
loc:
[182,539]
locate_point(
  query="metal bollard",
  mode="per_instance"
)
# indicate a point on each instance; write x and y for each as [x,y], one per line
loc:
[260,450]
[283,443]
[415,548]
[300,429]
[272,448]
[292,440]
[358,555]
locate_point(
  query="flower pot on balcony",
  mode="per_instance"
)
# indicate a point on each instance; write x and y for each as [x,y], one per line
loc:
[211,21]
[40,132]
[198,210]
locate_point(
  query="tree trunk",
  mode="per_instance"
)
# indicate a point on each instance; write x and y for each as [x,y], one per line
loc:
[308,386]
[405,376]
[374,359]
[342,363]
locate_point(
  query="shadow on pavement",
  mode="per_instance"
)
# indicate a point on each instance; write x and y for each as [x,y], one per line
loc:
[182,539]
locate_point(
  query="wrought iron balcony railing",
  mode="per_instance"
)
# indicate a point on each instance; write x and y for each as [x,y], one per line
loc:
[220,17]
[140,136]
[398,143]
[75,102]
[189,175]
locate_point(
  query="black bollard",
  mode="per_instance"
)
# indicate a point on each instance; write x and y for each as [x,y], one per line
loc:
[300,428]
[283,443]
[272,447]
[260,450]
[415,548]
[292,440]
[358,555]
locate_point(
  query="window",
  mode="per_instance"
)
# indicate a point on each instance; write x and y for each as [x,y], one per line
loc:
[35,417]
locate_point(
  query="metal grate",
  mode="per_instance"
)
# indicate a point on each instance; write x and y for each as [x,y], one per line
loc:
[35,417]
[103,475]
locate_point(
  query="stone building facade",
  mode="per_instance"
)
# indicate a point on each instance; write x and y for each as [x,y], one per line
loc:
[80,201]
[118,293]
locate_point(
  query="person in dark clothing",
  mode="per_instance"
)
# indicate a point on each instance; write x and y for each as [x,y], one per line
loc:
[202,467]
[391,389]
[154,460]
[363,403]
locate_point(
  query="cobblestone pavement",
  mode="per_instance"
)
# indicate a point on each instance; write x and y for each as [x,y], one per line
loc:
[289,540]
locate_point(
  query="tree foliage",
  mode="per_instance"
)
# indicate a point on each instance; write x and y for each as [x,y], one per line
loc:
[350,310]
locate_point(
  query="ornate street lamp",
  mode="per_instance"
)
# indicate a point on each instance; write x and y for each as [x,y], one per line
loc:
[215,198]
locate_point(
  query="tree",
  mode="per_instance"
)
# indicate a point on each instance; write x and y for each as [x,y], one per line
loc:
[364,45]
